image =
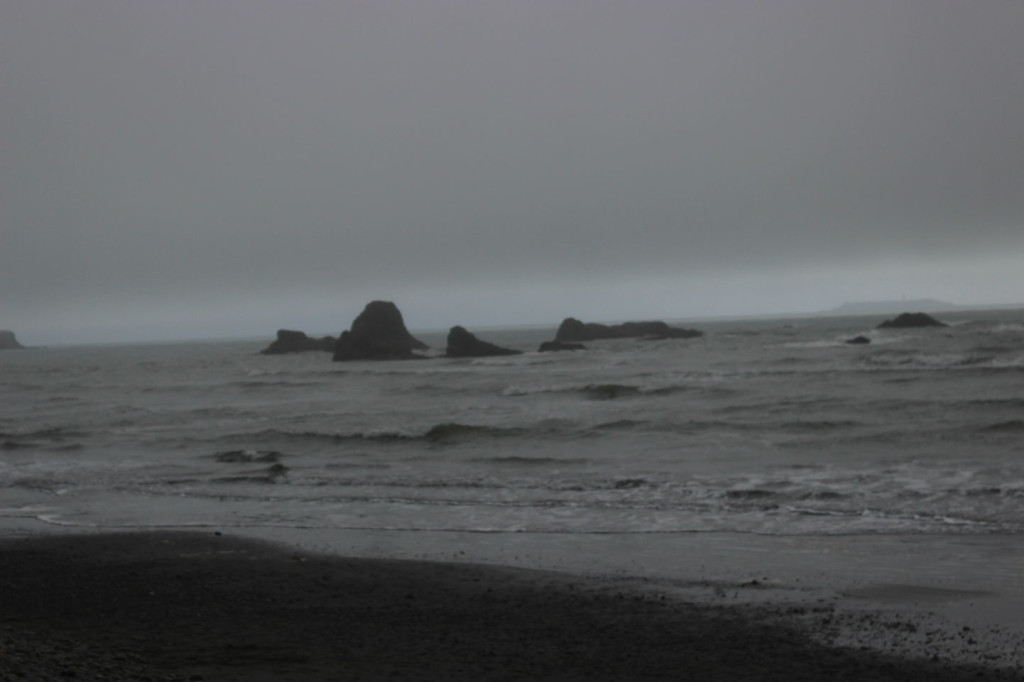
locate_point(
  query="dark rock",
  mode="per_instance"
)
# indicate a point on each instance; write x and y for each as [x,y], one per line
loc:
[559,345]
[378,333]
[858,340]
[610,391]
[462,344]
[8,341]
[572,329]
[289,341]
[908,320]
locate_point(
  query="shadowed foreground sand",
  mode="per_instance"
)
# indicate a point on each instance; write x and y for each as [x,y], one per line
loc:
[200,606]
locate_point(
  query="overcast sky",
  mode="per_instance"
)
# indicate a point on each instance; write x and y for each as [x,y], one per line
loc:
[225,168]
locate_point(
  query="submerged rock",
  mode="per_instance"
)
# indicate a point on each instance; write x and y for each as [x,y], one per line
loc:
[858,340]
[8,341]
[463,344]
[572,329]
[552,346]
[378,333]
[610,391]
[289,341]
[908,320]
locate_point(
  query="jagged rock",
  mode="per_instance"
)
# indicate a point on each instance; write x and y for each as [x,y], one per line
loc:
[378,333]
[289,341]
[8,341]
[462,344]
[907,320]
[572,329]
[559,345]
[858,340]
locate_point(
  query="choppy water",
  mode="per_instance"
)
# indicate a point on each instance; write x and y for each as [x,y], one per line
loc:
[774,427]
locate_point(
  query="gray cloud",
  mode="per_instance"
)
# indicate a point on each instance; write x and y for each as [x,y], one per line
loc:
[166,160]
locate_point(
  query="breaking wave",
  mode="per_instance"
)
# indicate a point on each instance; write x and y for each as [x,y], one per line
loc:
[438,433]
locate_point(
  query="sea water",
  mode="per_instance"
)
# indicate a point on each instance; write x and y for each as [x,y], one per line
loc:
[773,427]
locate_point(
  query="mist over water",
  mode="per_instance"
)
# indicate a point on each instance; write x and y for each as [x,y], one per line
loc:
[773,427]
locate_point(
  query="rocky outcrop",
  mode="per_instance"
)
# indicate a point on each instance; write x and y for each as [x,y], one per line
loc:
[462,344]
[858,340]
[8,341]
[290,341]
[572,329]
[551,346]
[378,333]
[910,320]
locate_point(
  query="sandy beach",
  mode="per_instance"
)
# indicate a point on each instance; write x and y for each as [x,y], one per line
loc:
[207,606]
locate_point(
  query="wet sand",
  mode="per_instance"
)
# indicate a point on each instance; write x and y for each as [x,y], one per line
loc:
[206,606]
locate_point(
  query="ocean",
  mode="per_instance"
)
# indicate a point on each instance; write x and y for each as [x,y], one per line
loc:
[762,428]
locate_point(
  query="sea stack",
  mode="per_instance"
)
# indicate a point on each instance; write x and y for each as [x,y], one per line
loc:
[8,341]
[555,346]
[463,344]
[572,329]
[290,341]
[378,333]
[908,320]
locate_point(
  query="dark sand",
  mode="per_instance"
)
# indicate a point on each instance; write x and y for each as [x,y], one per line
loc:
[201,606]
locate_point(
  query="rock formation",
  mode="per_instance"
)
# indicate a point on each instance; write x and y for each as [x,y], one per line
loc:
[462,344]
[289,341]
[858,340]
[572,329]
[908,320]
[378,333]
[559,345]
[8,341]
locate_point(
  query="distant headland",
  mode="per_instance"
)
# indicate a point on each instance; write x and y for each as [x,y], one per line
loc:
[929,305]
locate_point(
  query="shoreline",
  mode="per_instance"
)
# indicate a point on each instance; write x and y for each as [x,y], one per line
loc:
[957,597]
[176,604]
